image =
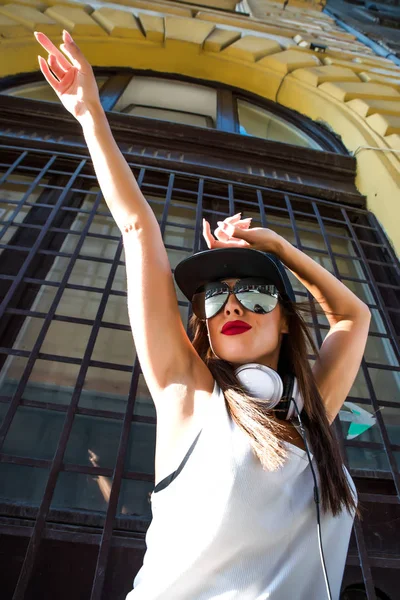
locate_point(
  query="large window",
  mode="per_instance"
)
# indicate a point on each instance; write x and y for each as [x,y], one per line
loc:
[78,320]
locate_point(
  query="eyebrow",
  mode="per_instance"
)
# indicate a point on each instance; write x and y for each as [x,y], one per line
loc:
[232,284]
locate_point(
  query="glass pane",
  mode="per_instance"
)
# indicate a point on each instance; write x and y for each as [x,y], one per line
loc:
[93,441]
[3,410]
[391,418]
[98,247]
[105,389]
[81,491]
[74,338]
[116,310]
[134,498]
[386,384]
[349,267]
[380,350]
[169,115]
[11,374]
[22,485]
[86,272]
[76,303]
[11,193]
[141,450]
[40,90]
[166,95]
[258,122]
[361,290]
[397,457]
[367,459]
[359,388]
[34,433]
[144,404]
[49,381]
[338,244]
[179,236]
[114,346]
[377,325]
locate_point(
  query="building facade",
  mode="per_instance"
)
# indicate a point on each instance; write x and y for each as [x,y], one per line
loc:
[272,109]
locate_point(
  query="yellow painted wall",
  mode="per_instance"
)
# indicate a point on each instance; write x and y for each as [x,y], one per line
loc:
[348,87]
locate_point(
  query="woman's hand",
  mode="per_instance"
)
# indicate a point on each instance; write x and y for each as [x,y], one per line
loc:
[234,232]
[73,82]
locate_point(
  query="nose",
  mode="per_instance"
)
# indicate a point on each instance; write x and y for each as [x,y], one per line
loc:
[233,306]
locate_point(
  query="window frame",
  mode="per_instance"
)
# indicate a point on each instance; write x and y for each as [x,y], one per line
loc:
[227,96]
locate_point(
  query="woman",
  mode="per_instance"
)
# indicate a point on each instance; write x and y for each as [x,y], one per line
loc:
[233,507]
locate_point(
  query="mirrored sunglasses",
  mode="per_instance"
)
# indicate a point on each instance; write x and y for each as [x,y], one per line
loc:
[255,294]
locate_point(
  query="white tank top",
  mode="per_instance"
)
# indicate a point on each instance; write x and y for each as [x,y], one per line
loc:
[225,528]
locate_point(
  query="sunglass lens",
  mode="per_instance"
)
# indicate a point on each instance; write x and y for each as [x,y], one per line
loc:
[214,304]
[208,303]
[256,301]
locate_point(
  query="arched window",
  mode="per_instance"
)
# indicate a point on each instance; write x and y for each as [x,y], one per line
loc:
[191,102]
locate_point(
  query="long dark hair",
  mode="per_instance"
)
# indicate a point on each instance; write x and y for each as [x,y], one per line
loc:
[265,432]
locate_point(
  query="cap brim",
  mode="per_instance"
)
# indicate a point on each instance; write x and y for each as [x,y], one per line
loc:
[224,263]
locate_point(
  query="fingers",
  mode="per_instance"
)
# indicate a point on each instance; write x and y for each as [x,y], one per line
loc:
[226,229]
[74,53]
[55,67]
[52,49]
[233,218]
[220,243]
[207,234]
[55,84]
[237,221]
[244,223]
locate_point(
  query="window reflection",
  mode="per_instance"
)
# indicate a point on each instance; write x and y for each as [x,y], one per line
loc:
[169,100]
[41,90]
[258,122]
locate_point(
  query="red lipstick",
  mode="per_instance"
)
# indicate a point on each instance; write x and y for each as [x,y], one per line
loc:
[235,327]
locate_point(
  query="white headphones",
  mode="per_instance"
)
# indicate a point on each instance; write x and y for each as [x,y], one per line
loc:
[263,382]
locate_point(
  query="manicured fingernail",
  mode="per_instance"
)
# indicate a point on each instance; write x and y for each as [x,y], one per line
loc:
[67,36]
[221,224]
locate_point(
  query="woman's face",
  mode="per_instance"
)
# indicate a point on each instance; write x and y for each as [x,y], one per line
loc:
[260,344]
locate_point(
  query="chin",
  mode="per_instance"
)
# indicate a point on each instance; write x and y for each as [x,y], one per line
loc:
[238,358]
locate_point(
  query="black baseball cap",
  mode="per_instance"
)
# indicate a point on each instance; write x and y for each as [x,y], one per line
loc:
[225,263]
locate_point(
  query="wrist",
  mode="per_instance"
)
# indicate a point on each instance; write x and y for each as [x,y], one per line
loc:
[92,116]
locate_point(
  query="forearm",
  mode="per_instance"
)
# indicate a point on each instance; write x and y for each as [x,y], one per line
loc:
[117,182]
[329,292]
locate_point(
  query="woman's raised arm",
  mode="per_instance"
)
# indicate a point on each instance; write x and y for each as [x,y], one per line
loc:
[165,353]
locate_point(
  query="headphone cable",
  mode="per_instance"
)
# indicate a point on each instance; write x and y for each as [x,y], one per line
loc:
[316,499]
